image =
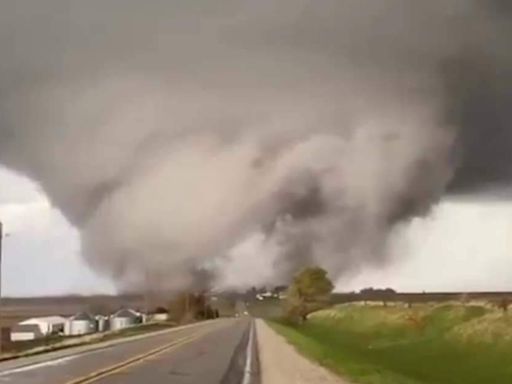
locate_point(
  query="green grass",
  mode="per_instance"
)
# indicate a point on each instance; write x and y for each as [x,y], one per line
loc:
[395,345]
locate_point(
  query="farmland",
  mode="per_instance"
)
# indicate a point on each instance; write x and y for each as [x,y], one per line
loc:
[13,310]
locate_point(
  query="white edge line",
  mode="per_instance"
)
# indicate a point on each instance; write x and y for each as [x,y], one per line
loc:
[37,365]
[248,359]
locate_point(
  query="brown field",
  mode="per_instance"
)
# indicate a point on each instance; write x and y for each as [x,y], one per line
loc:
[421,297]
[13,310]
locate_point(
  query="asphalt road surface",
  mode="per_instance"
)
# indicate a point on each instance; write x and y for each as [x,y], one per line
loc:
[211,352]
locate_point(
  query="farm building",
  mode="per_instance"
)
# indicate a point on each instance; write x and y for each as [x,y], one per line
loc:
[37,327]
[48,325]
[124,318]
[24,332]
[80,324]
[161,314]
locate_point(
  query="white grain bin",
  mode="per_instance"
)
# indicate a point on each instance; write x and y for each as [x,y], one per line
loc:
[102,323]
[80,324]
[124,318]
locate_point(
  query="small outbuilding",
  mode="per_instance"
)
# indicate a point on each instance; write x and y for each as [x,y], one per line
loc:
[124,318]
[160,314]
[37,327]
[25,332]
[80,324]
[48,325]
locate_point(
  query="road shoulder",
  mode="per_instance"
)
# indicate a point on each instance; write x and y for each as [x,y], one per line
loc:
[281,363]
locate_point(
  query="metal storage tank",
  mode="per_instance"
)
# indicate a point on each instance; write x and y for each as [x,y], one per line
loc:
[80,324]
[124,318]
[102,323]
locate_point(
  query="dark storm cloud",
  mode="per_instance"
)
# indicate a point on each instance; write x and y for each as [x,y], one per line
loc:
[480,92]
[168,132]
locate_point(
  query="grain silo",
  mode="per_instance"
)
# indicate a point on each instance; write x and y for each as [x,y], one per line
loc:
[102,323]
[124,318]
[80,324]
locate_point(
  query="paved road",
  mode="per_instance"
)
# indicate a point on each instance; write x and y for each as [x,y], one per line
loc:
[212,352]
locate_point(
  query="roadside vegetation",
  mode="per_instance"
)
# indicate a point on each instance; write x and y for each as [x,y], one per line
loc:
[191,307]
[309,292]
[385,341]
[398,344]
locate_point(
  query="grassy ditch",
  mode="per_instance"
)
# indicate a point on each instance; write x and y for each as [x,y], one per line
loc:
[433,344]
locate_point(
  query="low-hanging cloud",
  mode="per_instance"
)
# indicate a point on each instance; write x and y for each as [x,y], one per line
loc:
[171,133]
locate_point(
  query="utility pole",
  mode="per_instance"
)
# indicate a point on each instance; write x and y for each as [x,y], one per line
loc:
[204,305]
[1,238]
[146,293]
[187,304]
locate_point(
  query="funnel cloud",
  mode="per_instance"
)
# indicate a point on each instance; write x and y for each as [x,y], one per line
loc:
[172,133]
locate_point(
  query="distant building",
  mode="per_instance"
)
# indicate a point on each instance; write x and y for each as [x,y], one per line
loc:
[24,332]
[48,325]
[160,317]
[161,314]
[38,327]
[124,318]
[80,324]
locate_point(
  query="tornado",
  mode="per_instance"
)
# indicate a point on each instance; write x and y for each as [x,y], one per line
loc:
[185,140]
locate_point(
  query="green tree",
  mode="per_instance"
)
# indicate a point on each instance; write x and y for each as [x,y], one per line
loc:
[187,307]
[309,292]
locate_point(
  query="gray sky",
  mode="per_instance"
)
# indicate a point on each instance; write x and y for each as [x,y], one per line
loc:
[41,254]
[462,245]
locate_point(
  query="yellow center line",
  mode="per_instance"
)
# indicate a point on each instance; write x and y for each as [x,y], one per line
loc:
[101,373]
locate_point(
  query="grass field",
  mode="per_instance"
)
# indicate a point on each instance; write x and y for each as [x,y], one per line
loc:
[435,344]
